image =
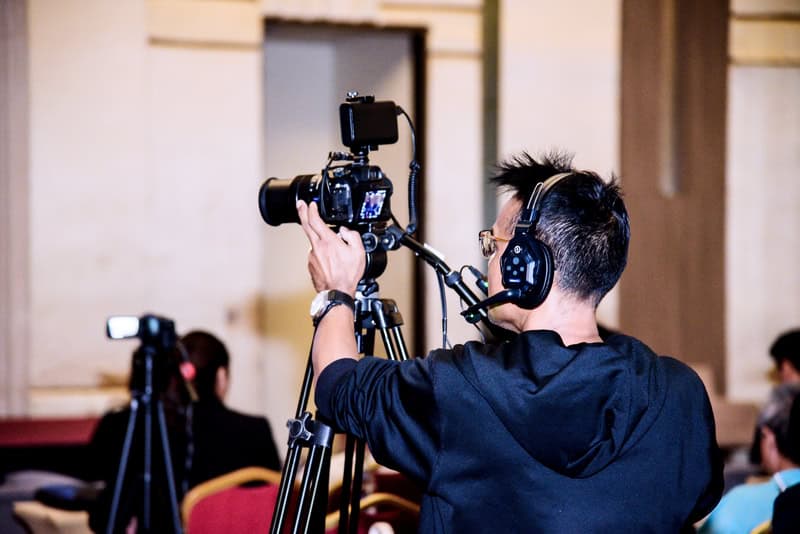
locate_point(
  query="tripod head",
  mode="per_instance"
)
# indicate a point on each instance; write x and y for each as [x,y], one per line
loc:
[375,265]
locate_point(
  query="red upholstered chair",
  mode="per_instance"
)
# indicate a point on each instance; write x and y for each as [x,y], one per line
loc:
[224,504]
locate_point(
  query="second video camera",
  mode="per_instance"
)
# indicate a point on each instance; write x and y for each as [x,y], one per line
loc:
[352,193]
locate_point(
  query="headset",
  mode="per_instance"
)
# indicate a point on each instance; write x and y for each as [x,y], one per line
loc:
[527,264]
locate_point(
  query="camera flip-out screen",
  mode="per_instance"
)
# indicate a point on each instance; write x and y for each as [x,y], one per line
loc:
[373,204]
[122,327]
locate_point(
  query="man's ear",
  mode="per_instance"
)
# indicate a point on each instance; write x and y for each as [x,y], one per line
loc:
[221,383]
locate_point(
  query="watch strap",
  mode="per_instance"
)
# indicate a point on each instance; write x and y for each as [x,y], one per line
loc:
[335,298]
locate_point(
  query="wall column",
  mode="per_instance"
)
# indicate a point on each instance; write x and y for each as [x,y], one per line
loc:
[674,72]
[14,295]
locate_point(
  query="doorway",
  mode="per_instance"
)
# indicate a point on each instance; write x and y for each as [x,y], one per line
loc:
[308,69]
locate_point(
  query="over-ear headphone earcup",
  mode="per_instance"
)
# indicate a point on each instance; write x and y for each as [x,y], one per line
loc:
[527,265]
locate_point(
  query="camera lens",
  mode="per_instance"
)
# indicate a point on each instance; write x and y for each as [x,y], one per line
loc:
[277,198]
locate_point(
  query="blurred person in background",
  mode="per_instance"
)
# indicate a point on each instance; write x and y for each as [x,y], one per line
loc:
[746,506]
[785,352]
[206,438]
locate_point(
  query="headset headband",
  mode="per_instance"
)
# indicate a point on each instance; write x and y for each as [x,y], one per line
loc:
[539,190]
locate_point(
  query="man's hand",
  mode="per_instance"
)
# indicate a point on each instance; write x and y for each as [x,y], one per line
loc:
[335,261]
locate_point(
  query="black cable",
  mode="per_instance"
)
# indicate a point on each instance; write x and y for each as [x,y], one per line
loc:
[479,279]
[443,298]
[415,168]
[413,133]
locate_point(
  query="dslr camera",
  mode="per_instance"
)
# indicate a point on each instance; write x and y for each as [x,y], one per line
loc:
[348,191]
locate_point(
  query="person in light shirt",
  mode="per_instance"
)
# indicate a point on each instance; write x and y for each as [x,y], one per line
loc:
[746,506]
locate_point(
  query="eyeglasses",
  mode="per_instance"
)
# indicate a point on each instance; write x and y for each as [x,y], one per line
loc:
[488,242]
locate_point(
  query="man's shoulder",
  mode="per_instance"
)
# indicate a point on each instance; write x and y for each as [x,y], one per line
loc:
[672,368]
[461,359]
[682,375]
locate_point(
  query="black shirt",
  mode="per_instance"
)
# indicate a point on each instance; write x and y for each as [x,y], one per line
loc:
[533,436]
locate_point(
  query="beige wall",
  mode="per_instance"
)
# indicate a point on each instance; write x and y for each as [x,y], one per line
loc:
[763,194]
[145,159]
[146,151]
[763,222]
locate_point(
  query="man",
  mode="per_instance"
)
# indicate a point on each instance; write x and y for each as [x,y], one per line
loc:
[748,505]
[785,352]
[553,431]
[207,439]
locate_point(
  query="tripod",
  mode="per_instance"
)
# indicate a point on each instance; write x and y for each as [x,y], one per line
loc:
[371,314]
[145,396]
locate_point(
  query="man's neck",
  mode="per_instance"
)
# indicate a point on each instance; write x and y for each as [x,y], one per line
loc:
[571,319]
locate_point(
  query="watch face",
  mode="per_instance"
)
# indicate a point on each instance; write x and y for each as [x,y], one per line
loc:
[319,303]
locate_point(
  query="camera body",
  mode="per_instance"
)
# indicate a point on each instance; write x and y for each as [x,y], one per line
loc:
[348,191]
[351,195]
[153,362]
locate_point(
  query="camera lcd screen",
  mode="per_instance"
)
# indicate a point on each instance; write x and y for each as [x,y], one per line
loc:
[122,327]
[373,204]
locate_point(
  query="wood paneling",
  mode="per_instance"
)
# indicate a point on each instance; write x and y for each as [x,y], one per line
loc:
[672,294]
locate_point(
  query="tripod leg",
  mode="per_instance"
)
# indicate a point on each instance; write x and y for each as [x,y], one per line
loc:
[165,450]
[355,492]
[400,343]
[293,457]
[147,475]
[313,501]
[284,494]
[320,462]
[347,483]
[123,465]
[387,342]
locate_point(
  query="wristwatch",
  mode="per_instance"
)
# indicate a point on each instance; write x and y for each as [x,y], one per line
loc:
[326,300]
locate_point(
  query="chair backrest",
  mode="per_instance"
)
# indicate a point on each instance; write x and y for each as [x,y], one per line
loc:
[222,504]
[383,508]
[763,528]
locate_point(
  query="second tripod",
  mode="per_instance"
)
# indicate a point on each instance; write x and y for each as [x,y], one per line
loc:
[147,383]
